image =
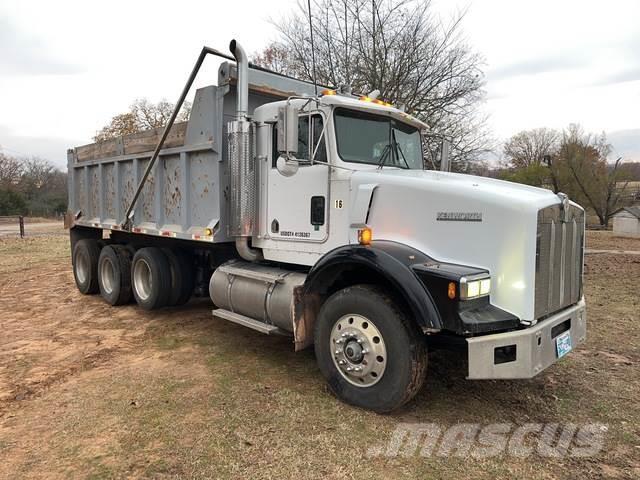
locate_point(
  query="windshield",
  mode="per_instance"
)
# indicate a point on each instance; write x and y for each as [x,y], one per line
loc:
[377,140]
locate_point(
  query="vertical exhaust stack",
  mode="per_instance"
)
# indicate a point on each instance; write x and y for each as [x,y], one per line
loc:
[243,79]
[244,184]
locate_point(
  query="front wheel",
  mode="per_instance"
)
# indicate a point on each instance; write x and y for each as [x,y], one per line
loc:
[370,353]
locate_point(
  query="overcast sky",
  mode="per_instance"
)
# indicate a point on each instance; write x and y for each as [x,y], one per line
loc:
[67,67]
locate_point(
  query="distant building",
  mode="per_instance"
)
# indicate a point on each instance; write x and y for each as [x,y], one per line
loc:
[626,222]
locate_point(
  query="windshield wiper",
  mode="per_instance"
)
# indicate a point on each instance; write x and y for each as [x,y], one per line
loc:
[385,153]
[387,149]
[398,149]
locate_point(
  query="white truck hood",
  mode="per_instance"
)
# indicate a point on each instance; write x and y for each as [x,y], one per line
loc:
[462,219]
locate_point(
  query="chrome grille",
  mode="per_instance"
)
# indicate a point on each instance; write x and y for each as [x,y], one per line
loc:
[559,254]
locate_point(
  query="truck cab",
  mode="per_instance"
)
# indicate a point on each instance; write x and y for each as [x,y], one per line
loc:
[314,209]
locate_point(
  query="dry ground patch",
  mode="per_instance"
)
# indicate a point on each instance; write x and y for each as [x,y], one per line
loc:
[90,391]
[605,240]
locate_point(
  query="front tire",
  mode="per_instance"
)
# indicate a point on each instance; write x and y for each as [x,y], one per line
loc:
[371,355]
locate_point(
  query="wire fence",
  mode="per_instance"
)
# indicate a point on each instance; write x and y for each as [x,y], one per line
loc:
[13,220]
[22,226]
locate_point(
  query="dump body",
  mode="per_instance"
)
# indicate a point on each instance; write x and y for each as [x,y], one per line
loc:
[187,192]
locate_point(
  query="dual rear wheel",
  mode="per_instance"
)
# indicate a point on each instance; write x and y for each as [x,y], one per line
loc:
[154,277]
[114,278]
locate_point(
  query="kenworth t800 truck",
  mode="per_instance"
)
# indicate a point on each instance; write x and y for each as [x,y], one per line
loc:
[308,212]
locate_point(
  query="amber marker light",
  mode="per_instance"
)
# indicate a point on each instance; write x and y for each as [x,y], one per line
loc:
[208,232]
[451,291]
[328,92]
[364,98]
[364,236]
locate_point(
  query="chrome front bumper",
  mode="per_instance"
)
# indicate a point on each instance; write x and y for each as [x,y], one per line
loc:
[525,353]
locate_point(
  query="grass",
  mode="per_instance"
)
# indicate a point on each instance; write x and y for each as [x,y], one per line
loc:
[31,252]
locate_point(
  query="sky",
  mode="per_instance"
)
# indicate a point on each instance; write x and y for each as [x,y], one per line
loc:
[67,67]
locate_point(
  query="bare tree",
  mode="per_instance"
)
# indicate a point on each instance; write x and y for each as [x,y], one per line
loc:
[275,57]
[10,171]
[36,172]
[142,115]
[120,125]
[399,48]
[599,184]
[531,147]
[154,115]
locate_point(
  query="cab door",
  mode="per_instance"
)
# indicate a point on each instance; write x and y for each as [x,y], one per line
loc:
[298,205]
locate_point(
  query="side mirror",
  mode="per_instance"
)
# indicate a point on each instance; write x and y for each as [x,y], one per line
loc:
[287,166]
[288,130]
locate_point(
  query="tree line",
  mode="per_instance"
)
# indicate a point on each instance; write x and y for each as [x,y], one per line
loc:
[142,115]
[31,186]
[574,162]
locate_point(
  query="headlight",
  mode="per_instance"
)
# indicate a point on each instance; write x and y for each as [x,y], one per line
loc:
[474,287]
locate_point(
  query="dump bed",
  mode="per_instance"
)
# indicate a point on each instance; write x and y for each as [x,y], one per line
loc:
[186,194]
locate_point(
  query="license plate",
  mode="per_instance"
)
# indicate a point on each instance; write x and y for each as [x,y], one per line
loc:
[563,344]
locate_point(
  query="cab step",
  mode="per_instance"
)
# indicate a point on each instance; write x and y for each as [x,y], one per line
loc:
[249,322]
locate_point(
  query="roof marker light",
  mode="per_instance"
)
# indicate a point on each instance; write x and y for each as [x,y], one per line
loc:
[365,98]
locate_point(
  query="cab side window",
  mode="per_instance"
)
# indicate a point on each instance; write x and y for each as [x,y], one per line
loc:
[304,138]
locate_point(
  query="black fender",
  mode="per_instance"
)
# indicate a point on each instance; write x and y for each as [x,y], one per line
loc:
[390,260]
[421,281]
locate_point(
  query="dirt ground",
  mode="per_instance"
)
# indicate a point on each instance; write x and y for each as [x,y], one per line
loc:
[604,240]
[91,391]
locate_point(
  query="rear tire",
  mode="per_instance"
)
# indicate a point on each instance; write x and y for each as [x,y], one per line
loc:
[371,355]
[182,276]
[114,274]
[151,278]
[85,265]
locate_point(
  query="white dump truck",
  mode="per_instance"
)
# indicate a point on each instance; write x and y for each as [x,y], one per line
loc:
[308,212]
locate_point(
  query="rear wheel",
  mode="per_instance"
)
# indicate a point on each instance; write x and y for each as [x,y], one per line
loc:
[114,274]
[85,265]
[367,349]
[182,276]
[151,278]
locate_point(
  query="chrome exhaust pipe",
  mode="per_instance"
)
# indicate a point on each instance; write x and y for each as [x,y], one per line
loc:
[244,181]
[242,62]
[246,252]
